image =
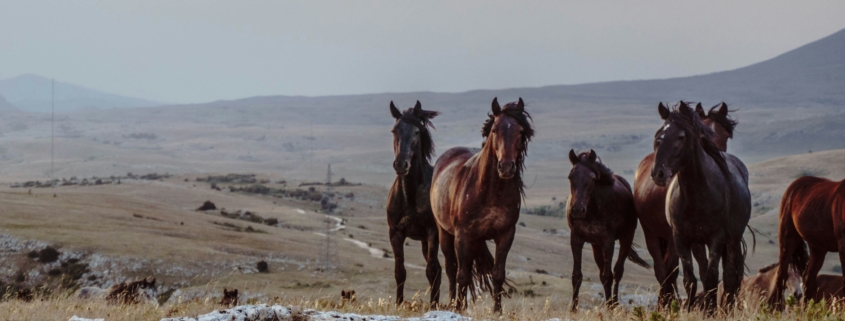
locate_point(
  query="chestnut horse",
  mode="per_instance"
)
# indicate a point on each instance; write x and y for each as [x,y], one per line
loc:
[759,284]
[408,209]
[476,196]
[601,211]
[812,210]
[708,202]
[650,201]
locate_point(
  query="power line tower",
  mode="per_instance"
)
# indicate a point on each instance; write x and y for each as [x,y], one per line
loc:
[333,225]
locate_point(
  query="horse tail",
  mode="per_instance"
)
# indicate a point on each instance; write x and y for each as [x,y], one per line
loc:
[482,273]
[635,258]
[801,255]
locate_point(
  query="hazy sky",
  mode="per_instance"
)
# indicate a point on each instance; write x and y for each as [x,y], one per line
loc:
[198,51]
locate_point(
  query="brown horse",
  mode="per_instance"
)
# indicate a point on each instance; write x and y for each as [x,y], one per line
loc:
[476,196]
[408,209]
[759,284]
[812,210]
[830,288]
[601,211]
[708,202]
[650,201]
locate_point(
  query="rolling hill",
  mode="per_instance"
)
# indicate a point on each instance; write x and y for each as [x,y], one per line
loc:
[32,93]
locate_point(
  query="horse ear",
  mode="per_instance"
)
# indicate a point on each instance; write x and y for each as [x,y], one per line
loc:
[723,109]
[495,106]
[685,109]
[664,112]
[573,158]
[153,282]
[592,156]
[235,292]
[700,111]
[520,104]
[225,291]
[394,111]
[418,109]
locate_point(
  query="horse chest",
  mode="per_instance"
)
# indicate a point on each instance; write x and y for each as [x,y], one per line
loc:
[590,229]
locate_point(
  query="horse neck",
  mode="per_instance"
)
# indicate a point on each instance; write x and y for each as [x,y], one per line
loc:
[418,174]
[693,177]
[488,182]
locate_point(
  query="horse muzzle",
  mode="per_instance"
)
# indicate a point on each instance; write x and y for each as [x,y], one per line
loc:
[661,175]
[401,167]
[507,169]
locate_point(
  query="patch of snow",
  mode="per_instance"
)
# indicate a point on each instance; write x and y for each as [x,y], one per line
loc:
[76,318]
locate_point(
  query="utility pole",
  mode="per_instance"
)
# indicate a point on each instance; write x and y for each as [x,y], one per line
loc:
[52,122]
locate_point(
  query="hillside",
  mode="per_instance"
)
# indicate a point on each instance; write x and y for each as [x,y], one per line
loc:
[32,93]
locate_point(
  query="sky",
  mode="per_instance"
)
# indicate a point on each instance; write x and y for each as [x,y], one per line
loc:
[205,50]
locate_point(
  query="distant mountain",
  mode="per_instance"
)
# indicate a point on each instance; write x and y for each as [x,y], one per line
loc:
[5,105]
[32,93]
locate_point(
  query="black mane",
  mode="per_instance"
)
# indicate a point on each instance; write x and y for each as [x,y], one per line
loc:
[423,123]
[604,176]
[725,121]
[692,125]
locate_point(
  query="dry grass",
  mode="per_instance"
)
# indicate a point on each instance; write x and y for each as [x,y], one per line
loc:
[750,308]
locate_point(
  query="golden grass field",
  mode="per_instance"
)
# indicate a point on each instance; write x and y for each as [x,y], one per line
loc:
[151,228]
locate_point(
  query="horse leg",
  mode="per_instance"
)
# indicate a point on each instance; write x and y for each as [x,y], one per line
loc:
[732,272]
[814,265]
[699,252]
[682,249]
[503,246]
[577,246]
[466,252]
[432,266]
[397,242]
[447,246]
[710,275]
[652,243]
[625,243]
[604,260]
[670,262]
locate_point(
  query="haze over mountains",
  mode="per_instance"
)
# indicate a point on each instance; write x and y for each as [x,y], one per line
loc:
[32,93]
[790,104]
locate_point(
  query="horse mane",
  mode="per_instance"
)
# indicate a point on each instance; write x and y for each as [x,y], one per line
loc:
[768,268]
[604,176]
[523,118]
[691,123]
[728,123]
[423,123]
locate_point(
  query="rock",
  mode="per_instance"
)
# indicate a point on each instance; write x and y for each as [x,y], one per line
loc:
[208,205]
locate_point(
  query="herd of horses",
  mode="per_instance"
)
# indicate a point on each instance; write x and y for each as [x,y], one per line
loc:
[690,196]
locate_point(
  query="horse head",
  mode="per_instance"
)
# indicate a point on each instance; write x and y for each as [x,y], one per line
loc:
[411,136]
[508,131]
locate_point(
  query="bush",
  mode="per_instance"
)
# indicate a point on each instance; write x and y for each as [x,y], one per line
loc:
[262,266]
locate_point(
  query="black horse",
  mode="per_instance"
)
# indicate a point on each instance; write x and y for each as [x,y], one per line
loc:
[708,201]
[601,211]
[408,208]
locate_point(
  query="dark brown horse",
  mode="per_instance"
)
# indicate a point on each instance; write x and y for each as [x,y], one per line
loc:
[650,201]
[408,209]
[708,202]
[601,211]
[812,210]
[476,196]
